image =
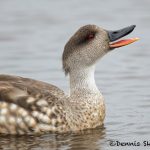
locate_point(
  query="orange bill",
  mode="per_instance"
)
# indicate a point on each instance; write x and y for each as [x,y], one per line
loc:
[123,42]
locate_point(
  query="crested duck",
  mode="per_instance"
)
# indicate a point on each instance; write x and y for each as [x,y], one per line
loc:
[28,106]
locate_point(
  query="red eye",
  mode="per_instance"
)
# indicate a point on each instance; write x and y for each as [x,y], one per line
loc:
[90,36]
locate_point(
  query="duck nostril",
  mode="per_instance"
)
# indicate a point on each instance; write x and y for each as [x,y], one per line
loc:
[115,32]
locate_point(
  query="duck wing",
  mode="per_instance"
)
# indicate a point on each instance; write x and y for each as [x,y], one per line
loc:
[27,83]
[28,106]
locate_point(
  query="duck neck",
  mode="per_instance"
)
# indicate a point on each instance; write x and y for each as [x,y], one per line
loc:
[83,78]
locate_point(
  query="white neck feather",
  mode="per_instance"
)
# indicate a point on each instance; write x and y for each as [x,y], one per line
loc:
[83,78]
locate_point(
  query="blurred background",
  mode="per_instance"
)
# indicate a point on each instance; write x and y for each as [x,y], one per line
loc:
[32,37]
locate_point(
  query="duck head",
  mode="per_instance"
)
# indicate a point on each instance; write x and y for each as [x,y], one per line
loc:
[90,43]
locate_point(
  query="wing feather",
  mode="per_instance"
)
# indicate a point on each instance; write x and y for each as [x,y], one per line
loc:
[28,105]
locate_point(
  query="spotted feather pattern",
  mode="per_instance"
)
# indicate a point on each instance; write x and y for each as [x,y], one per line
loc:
[29,109]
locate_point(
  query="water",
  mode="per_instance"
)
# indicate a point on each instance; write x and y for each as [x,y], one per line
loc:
[32,37]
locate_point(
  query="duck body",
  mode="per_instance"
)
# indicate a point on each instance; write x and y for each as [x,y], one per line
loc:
[28,106]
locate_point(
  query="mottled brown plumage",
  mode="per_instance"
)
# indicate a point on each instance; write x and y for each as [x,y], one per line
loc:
[28,106]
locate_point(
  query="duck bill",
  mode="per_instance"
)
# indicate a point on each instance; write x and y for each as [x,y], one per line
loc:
[115,35]
[123,42]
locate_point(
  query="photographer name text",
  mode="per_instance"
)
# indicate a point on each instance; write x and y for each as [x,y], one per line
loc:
[145,143]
